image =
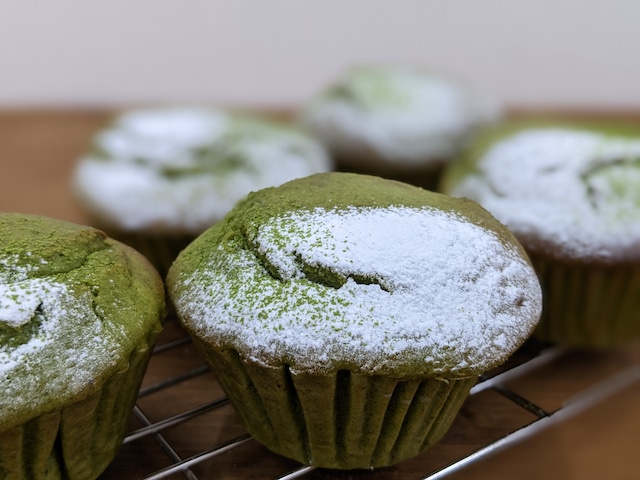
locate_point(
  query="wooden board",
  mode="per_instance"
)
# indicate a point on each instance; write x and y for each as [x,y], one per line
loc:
[38,150]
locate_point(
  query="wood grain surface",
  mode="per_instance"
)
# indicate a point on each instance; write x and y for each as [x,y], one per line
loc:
[38,150]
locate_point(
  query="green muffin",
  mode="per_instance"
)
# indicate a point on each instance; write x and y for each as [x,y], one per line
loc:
[347,316]
[78,316]
[571,195]
[397,122]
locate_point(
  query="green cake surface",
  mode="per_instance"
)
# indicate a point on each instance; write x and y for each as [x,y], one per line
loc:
[343,271]
[74,307]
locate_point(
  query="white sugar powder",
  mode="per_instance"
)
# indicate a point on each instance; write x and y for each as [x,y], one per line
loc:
[161,136]
[574,192]
[182,172]
[58,347]
[413,286]
[19,301]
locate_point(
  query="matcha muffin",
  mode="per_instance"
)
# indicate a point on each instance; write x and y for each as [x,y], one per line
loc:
[78,316]
[571,195]
[347,316]
[398,123]
[158,177]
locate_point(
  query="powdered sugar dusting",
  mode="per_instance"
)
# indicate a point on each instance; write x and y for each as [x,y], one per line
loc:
[19,302]
[162,137]
[375,289]
[570,191]
[53,342]
[403,116]
[182,170]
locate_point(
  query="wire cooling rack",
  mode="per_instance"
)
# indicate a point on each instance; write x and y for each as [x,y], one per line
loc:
[183,426]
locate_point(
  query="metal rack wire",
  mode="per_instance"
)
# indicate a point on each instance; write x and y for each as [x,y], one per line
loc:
[535,358]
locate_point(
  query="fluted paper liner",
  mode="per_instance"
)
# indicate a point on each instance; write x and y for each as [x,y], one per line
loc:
[424,176]
[342,420]
[161,250]
[79,441]
[588,306]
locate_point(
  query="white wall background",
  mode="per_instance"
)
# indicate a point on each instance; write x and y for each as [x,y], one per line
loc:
[558,53]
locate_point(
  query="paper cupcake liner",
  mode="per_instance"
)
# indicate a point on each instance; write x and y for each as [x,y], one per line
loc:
[79,441]
[428,180]
[160,250]
[343,420]
[427,177]
[588,306]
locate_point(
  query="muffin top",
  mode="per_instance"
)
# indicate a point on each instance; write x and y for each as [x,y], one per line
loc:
[344,271]
[398,116]
[73,306]
[568,192]
[180,170]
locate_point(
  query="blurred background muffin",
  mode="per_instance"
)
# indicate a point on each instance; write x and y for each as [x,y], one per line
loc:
[400,123]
